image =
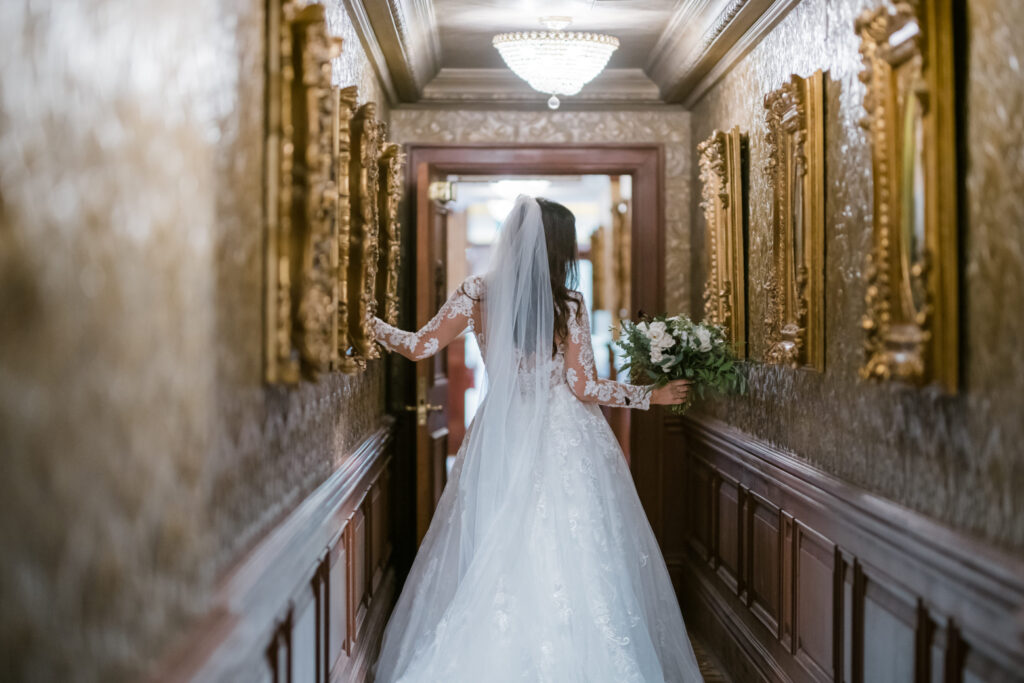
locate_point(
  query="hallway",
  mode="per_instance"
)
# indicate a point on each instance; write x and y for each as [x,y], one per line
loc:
[212,470]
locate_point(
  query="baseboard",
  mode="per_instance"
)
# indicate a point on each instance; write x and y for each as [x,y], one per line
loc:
[709,618]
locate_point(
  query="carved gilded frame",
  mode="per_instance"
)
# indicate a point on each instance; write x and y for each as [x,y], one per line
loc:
[365,135]
[301,199]
[911,324]
[392,166]
[342,162]
[795,315]
[721,175]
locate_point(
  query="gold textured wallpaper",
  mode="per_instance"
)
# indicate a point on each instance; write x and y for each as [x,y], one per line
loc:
[141,452]
[958,459]
[670,127]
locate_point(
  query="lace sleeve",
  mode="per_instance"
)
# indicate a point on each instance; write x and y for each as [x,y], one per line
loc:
[581,376]
[454,317]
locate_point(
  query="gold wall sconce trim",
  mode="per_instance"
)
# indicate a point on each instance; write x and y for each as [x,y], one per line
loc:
[795,314]
[911,324]
[721,175]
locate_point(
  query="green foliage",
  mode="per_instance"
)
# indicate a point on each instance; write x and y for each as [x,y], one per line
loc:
[661,349]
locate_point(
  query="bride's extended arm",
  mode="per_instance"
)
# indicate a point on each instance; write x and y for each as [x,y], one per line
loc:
[581,375]
[454,317]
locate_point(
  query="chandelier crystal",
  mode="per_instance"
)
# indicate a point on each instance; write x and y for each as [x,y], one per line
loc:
[555,61]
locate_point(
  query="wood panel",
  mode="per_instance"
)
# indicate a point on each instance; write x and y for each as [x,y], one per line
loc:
[309,603]
[812,579]
[727,538]
[359,587]
[812,593]
[699,496]
[763,570]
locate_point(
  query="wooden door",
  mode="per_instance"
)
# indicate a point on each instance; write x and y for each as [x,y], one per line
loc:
[432,373]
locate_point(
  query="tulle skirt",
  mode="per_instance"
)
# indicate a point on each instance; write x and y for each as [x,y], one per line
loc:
[566,584]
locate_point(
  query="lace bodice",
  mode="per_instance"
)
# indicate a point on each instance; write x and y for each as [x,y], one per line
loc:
[574,359]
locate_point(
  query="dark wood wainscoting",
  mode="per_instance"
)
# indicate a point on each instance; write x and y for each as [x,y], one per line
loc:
[791,574]
[309,603]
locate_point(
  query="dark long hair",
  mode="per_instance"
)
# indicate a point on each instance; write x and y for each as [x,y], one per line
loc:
[563,263]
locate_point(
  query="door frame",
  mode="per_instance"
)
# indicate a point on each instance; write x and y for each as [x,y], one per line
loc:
[646,164]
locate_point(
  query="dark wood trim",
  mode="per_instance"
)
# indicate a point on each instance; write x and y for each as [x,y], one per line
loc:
[857,648]
[253,611]
[646,164]
[917,572]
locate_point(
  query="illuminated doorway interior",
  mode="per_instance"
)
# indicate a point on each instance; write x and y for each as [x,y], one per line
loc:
[602,206]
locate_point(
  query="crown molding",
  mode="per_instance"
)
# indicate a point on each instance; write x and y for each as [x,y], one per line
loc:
[481,87]
[704,39]
[401,41]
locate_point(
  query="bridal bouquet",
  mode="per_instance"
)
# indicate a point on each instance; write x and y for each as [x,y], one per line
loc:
[663,349]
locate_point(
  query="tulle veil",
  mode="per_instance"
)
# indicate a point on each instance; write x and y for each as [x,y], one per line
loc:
[501,446]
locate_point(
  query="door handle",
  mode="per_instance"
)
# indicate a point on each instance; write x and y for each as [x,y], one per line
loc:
[422,407]
[421,410]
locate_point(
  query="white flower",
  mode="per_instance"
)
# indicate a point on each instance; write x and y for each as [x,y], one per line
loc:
[659,335]
[704,335]
[642,327]
[656,356]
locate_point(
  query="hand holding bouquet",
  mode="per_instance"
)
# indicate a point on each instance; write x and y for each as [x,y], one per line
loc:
[663,349]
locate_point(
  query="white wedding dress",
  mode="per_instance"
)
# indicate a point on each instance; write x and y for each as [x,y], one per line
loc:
[539,564]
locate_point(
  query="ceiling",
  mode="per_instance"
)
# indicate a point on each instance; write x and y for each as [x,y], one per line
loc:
[438,53]
[467,26]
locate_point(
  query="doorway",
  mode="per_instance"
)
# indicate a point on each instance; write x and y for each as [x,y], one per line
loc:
[435,217]
[601,204]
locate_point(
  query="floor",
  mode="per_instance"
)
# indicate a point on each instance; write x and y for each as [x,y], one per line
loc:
[709,666]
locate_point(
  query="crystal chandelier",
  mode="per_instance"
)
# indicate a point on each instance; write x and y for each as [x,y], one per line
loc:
[556,61]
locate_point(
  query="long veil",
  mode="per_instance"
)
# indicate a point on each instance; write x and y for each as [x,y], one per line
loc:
[518,315]
[457,565]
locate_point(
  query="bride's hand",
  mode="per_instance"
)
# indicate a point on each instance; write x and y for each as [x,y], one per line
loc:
[675,391]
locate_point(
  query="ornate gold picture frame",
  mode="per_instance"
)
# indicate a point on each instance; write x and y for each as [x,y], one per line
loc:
[301,197]
[795,315]
[342,162]
[912,323]
[365,136]
[721,175]
[391,169]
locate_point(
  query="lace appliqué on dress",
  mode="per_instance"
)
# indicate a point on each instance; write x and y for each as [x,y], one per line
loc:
[455,316]
[462,311]
[581,375]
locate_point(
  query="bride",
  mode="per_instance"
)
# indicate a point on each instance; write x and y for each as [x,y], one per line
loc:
[539,564]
